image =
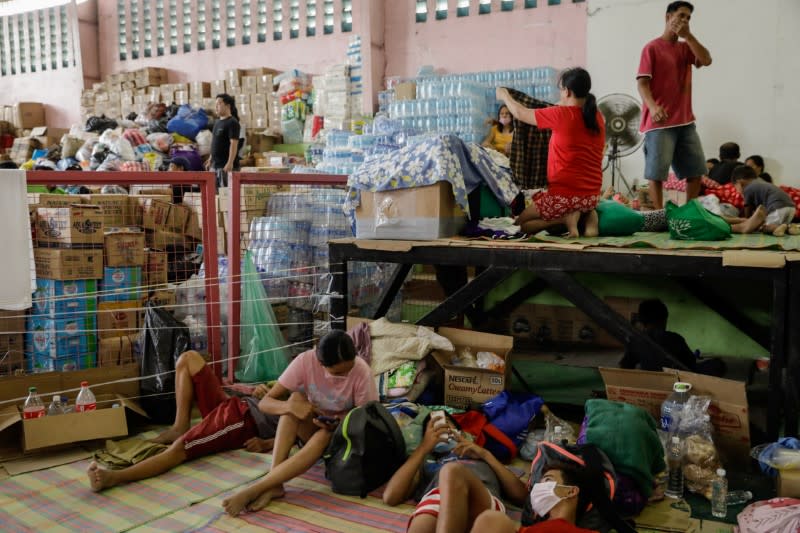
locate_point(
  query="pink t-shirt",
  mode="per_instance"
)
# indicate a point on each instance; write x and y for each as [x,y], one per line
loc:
[575,154]
[668,64]
[333,395]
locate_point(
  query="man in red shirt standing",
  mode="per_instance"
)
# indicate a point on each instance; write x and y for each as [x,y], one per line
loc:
[665,85]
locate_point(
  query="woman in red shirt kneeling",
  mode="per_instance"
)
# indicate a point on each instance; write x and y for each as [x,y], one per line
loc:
[574,158]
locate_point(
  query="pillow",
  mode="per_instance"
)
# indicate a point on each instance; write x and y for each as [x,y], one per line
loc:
[618,220]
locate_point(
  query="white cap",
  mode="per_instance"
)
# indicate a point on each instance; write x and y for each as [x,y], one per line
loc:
[56,398]
[721,472]
[676,439]
[557,429]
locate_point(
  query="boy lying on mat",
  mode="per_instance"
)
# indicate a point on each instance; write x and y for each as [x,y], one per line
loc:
[312,394]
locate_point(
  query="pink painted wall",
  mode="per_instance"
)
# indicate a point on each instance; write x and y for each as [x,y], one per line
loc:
[545,35]
[59,90]
[309,54]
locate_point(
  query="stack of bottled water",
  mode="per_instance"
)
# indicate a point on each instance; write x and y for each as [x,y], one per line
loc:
[460,103]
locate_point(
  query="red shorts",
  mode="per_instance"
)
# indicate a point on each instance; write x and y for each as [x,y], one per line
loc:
[226,423]
[429,504]
[554,206]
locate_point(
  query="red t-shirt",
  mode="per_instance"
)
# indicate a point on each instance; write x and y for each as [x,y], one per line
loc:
[575,154]
[558,525]
[668,64]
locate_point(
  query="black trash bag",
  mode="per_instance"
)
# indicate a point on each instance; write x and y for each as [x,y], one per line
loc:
[131,116]
[164,340]
[100,124]
[172,110]
[157,126]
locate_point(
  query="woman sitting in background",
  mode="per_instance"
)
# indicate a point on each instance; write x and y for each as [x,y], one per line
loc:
[756,162]
[502,132]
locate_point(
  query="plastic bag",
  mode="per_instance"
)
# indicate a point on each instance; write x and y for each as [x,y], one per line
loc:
[98,124]
[491,361]
[85,151]
[160,141]
[702,459]
[693,222]
[781,455]
[188,122]
[512,413]
[164,340]
[204,142]
[551,421]
[263,355]
[70,145]
[464,357]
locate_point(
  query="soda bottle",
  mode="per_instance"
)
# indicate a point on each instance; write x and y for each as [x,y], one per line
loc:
[673,405]
[34,408]
[557,437]
[719,495]
[55,407]
[675,464]
[85,400]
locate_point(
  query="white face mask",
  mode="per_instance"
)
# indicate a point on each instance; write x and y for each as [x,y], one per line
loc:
[544,497]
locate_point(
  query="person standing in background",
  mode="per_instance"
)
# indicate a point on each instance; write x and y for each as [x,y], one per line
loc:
[665,85]
[225,139]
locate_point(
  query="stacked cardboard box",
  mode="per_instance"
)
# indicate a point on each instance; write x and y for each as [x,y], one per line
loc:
[61,331]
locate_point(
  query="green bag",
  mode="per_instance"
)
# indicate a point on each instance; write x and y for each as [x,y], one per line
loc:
[263,355]
[693,222]
[618,220]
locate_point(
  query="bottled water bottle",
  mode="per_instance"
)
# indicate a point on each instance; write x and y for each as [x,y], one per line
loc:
[55,407]
[675,464]
[33,408]
[85,400]
[557,437]
[673,405]
[719,495]
[738,497]
[446,442]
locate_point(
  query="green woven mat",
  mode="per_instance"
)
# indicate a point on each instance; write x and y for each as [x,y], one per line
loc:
[757,241]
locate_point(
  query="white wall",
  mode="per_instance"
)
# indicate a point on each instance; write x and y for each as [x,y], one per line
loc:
[751,92]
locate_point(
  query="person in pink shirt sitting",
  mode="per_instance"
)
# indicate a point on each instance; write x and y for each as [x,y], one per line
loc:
[665,85]
[312,395]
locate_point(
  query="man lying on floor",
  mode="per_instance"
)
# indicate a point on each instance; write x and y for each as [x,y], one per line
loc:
[328,380]
[228,423]
[452,487]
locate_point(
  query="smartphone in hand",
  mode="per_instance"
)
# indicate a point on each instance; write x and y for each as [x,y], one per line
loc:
[328,420]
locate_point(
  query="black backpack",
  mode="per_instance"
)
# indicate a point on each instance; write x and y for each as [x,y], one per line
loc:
[366,449]
[601,515]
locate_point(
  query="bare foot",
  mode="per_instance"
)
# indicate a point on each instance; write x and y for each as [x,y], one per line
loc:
[99,478]
[571,221]
[170,435]
[753,223]
[258,445]
[265,497]
[780,231]
[235,504]
[794,229]
[592,228]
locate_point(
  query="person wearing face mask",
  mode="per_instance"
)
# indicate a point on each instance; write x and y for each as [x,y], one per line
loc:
[557,498]
[452,484]
[322,385]
[502,132]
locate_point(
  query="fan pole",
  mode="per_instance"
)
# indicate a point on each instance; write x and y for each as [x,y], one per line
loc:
[613,159]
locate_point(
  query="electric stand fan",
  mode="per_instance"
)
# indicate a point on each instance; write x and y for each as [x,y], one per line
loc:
[622,114]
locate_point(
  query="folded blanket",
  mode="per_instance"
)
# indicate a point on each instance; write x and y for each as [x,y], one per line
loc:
[627,434]
[389,353]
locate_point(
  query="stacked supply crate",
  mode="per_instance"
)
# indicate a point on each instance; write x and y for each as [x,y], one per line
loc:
[61,331]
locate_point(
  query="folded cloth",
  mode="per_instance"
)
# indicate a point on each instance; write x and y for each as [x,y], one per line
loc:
[389,353]
[504,224]
[627,435]
[128,452]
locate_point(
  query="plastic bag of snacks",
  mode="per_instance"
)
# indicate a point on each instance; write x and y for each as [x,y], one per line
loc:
[702,459]
[491,361]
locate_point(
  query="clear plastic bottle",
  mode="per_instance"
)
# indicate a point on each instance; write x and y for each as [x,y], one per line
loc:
[85,400]
[55,407]
[558,436]
[675,464]
[719,495]
[738,497]
[446,442]
[65,405]
[673,405]
[34,407]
